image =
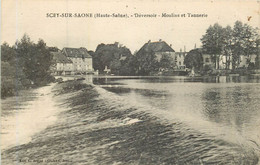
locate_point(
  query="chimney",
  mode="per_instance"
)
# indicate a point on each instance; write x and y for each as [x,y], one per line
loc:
[195,46]
[184,48]
[180,50]
[160,40]
[149,41]
[170,45]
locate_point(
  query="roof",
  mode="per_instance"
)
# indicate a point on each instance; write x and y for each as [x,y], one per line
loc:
[76,52]
[58,57]
[160,46]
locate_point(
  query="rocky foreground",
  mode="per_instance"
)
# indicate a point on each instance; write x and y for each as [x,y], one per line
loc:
[97,129]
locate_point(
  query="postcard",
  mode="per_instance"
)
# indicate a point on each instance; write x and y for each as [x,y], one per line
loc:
[130,82]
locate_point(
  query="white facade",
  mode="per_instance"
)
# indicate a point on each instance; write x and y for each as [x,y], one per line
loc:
[179,60]
[61,64]
[223,62]
[160,54]
[243,63]
[81,64]
[82,61]
[64,67]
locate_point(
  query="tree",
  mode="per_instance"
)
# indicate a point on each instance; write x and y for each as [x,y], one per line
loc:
[12,75]
[194,59]
[257,60]
[35,60]
[233,43]
[166,62]
[44,60]
[129,66]
[53,49]
[244,42]
[213,42]
[237,42]
[106,54]
[8,83]
[24,63]
[228,45]
[7,53]
[147,62]
[115,66]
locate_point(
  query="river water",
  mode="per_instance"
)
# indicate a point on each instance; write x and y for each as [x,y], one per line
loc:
[226,108]
[137,120]
[26,114]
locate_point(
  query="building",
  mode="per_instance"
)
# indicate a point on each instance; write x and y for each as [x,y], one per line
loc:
[223,62]
[159,48]
[207,61]
[244,61]
[179,60]
[61,65]
[82,61]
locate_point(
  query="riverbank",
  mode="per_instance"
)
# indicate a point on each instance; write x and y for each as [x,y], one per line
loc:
[12,86]
[95,126]
[228,72]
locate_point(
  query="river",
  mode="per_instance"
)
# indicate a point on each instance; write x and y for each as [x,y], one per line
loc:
[26,114]
[142,120]
[226,108]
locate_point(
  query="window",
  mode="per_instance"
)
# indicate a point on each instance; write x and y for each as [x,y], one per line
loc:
[179,63]
[207,60]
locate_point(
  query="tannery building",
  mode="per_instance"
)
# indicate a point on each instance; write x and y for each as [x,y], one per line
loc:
[72,61]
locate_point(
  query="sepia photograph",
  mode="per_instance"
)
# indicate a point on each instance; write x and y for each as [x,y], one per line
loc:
[120,82]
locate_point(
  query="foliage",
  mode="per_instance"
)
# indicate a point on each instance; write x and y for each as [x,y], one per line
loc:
[166,62]
[231,42]
[36,60]
[147,62]
[129,66]
[109,55]
[7,79]
[24,64]
[227,48]
[7,53]
[115,66]
[244,41]
[53,49]
[213,42]
[257,60]
[194,59]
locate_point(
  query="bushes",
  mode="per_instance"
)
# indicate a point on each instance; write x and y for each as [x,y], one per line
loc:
[24,65]
[9,83]
[7,87]
[71,86]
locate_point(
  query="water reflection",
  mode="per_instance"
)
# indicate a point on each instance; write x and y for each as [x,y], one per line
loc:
[236,107]
[101,80]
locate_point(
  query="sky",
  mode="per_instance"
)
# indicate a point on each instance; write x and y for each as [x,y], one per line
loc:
[29,16]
